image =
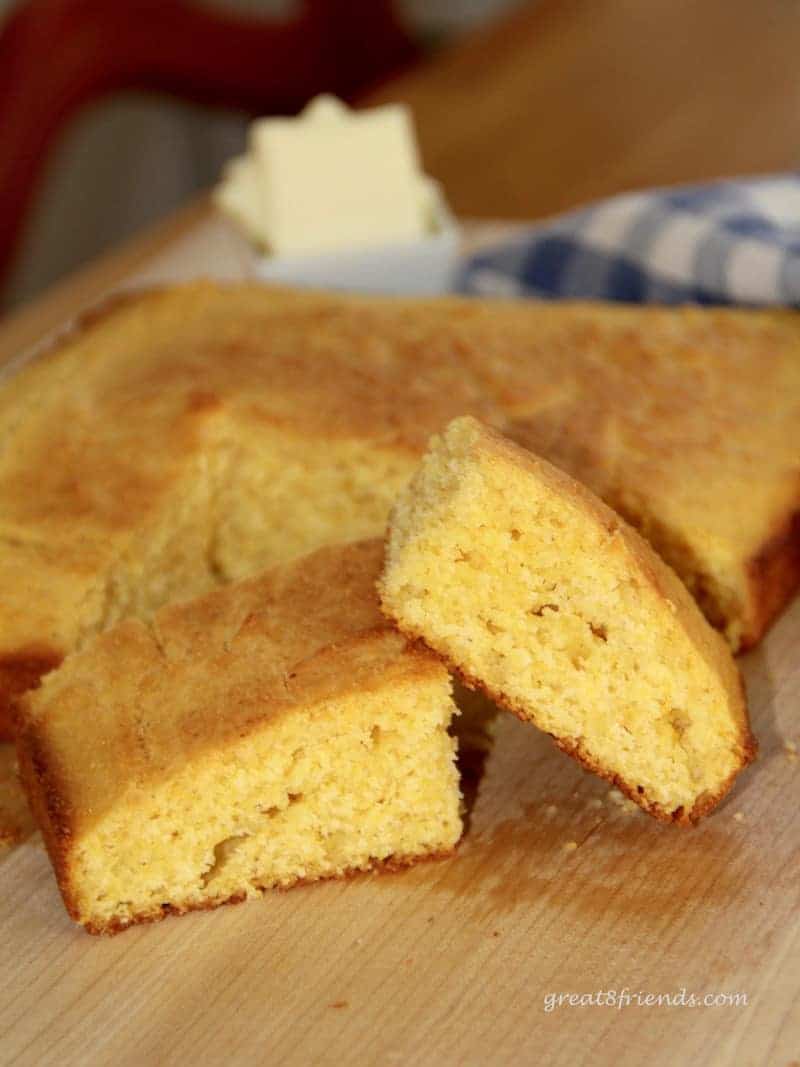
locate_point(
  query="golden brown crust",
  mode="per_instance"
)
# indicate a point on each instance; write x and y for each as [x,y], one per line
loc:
[104,309]
[16,820]
[21,671]
[39,779]
[773,577]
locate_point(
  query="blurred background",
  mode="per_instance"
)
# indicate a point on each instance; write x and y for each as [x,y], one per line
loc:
[117,112]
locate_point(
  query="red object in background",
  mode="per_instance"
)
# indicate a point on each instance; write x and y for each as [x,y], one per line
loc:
[56,56]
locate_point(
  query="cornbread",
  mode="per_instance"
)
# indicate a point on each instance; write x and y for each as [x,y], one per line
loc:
[16,822]
[274,732]
[533,589]
[187,437]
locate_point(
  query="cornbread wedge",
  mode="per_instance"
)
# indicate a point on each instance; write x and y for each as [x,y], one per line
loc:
[537,592]
[274,732]
[187,437]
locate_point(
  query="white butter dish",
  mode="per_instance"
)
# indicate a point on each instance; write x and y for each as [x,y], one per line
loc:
[426,265]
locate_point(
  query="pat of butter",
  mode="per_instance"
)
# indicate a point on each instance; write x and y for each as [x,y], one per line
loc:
[331,178]
[239,195]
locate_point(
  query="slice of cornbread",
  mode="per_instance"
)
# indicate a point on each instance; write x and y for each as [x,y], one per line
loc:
[274,732]
[536,591]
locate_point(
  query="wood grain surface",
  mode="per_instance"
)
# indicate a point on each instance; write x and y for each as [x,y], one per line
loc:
[555,888]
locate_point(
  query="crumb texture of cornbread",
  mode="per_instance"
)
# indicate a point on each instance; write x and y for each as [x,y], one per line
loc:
[273,732]
[533,589]
[182,438]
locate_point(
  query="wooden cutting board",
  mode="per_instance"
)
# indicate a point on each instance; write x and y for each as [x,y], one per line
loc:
[557,888]
[452,962]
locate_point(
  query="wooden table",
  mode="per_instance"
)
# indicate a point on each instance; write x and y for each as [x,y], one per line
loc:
[569,100]
[557,888]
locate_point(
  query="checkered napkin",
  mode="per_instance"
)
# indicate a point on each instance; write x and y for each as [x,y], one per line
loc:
[730,242]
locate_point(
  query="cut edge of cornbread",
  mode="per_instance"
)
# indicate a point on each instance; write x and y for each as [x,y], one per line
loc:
[433,554]
[337,761]
[40,776]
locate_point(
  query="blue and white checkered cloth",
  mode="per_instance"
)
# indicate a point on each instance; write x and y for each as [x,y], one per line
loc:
[729,242]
